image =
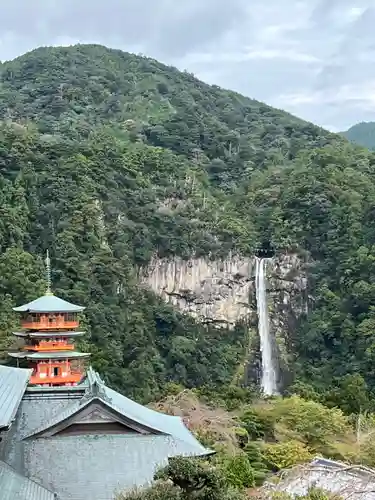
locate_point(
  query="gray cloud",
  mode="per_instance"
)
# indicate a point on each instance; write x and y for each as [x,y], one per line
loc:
[166,26]
[311,57]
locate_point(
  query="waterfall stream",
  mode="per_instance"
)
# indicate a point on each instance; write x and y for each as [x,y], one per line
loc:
[269,370]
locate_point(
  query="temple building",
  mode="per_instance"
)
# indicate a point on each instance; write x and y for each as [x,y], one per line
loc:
[65,435]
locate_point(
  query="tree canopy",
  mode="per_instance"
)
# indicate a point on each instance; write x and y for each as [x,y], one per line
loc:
[108,159]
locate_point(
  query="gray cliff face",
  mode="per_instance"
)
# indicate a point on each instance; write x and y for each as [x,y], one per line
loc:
[222,293]
[210,291]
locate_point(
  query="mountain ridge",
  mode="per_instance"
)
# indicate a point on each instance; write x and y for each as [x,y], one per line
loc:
[145,99]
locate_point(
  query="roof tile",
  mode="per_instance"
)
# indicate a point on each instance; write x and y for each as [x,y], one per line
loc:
[13,383]
[14,486]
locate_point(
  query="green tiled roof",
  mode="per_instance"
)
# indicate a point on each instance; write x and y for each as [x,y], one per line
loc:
[13,486]
[48,303]
[49,355]
[143,416]
[127,460]
[13,383]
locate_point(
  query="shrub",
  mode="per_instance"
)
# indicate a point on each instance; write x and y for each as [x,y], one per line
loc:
[282,455]
[238,471]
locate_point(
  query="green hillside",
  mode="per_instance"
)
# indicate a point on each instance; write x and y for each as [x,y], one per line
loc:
[95,143]
[362,133]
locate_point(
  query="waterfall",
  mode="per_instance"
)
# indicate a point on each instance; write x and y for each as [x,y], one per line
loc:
[269,378]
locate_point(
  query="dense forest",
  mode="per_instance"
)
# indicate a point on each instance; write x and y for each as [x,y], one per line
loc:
[108,159]
[362,133]
[95,142]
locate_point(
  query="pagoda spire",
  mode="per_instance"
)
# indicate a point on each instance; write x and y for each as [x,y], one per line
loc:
[48,274]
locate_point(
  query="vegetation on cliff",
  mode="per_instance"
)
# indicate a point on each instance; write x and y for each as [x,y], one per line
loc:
[108,159]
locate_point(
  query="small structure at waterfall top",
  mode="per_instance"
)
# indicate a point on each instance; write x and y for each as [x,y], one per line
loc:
[347,481]
[265,250]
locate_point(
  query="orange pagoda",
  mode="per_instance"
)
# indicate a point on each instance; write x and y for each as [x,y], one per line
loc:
[49,326]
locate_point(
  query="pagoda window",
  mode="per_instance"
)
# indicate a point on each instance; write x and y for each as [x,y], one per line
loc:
[56,371]
[70,317]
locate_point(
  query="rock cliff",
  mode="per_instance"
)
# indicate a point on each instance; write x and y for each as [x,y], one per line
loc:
[223,293]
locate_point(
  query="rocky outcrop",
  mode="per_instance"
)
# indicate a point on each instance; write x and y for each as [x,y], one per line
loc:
[223,291]
[211,291]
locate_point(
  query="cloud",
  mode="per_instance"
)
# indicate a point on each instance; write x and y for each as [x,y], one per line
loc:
[205,58]
[312,57]
[364,93]
[167,26]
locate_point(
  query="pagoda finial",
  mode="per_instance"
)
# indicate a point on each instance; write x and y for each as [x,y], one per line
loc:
[48,274]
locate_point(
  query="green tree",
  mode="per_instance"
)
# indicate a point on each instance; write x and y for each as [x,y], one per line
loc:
[186,479]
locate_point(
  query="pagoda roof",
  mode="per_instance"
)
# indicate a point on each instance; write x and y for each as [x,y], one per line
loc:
[42,335]
[48,304]
[134,413]
[13,383]
[49,355]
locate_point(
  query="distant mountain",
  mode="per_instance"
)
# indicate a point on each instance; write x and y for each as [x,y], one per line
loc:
[362,133]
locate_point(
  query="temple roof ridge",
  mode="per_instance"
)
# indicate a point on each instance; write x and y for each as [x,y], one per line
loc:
[95,387]
[43,334]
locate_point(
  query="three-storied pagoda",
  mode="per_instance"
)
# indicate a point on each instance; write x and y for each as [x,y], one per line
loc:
[49,325]
[66,435]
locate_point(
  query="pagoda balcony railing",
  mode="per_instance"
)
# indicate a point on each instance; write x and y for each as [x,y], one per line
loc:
[49,346]
[48,324]
[70,378]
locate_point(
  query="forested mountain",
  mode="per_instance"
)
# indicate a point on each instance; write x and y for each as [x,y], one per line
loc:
[362,133]
[108,159]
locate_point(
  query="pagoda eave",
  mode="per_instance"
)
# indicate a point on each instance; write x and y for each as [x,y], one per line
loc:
[17,355]
[49,303]
[41,335]
[56,355]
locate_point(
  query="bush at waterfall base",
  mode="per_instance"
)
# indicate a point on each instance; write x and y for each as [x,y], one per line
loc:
[243,464]
[280,456]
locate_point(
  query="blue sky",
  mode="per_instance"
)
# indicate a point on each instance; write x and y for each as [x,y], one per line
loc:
[314,58]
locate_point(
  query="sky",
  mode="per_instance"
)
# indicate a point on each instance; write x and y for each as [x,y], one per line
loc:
[313,58]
